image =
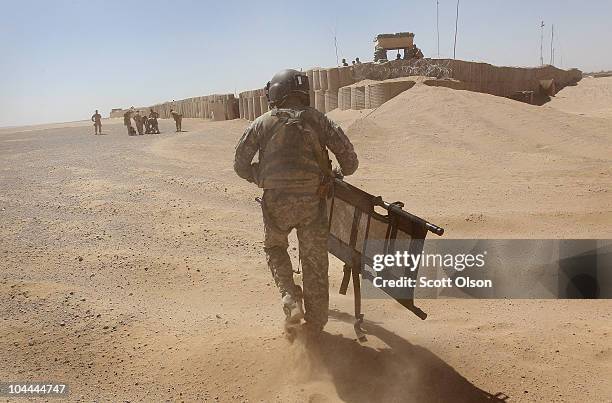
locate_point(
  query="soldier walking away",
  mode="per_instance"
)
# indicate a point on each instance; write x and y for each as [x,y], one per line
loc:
[295,173]
[357,61]
[344,63]
[138,119]
[153,116]
[97,119]
[127,121]
[177,120]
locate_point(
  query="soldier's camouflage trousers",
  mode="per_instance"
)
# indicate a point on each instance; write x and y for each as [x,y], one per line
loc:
[284,210]
[154,126]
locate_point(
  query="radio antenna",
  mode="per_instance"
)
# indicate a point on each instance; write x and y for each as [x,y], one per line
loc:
[541,43]
[438,24]
[456,25]
[552,47]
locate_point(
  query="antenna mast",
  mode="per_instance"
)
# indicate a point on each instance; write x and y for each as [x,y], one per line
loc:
[552,49]
[541,43]
[438,24]
[456,24]
[336,47]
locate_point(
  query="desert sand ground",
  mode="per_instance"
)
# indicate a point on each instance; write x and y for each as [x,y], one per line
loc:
[590,98]
[132,268]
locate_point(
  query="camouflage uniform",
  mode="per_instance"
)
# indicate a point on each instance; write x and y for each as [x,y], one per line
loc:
[139,122]
[178,119]
[97,119]
[153,116]
[127,121]
[290,175]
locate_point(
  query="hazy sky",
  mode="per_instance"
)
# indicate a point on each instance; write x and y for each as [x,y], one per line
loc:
[60,60]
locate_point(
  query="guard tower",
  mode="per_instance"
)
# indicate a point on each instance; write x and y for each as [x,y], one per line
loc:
[398,41]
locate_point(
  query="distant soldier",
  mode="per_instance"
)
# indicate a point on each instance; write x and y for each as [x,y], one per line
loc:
[398,56]
[153,116]
[357,61]
[147,124]
[127,121]
[97,119]
[177,119]
[353,62]
[344,63]
[139,122]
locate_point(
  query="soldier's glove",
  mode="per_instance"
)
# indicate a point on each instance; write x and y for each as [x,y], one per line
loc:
[337,171]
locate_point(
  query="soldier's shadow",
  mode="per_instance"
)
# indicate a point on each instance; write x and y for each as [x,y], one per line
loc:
[402,372]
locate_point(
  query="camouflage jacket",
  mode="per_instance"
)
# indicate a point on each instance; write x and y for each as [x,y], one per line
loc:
[287,160]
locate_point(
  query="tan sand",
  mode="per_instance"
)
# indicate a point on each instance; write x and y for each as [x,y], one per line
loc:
[132,267]
[493,166]
[78,123]
[591,97]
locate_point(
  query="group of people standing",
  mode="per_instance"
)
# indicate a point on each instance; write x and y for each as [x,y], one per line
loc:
[356,61]
[144,124]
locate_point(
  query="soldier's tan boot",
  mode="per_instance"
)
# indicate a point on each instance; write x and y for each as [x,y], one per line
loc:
[294,312]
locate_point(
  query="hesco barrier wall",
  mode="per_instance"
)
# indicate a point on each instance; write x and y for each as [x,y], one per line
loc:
[357,96]
[251,104]
[479,77]
[378,93]
[344,98]
[216,107]
[369,85]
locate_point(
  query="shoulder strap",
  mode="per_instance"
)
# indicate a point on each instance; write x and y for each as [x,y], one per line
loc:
[320,153]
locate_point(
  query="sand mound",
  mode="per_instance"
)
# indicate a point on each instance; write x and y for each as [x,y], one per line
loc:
[347,117]
[489,157]
[482,121]
[590,97]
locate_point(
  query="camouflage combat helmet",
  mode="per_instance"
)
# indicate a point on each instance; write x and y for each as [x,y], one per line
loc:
[285,83]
